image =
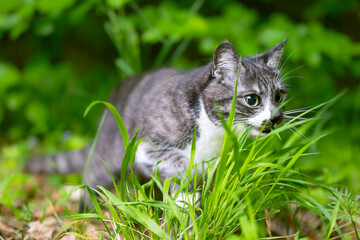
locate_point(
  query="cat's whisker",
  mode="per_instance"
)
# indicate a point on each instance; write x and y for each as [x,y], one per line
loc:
[292,77]
[296,118]
[278,77]
[292,71]
[303,119]
[302,108]
[297,110]
[298,132]
[291,119]
[294,112]
[295,115]
[288,57]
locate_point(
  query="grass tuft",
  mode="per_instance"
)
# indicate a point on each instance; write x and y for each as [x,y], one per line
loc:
[251,185]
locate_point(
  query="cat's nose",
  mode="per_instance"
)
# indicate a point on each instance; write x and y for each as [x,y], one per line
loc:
[276,118]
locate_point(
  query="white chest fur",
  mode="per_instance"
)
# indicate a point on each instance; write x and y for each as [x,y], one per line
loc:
[209,144]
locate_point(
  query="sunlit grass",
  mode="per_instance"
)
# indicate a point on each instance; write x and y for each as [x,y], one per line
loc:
[242,191]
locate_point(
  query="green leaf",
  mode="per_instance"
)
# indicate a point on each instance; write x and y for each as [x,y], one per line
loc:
[7,6]
[9,76]
[116,4]
[36,112]
[54,6]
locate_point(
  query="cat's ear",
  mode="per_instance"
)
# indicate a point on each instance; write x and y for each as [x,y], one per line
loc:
[274,55]
[225,62]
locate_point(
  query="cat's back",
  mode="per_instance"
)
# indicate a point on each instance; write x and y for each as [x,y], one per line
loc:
[140,96]
[136,84]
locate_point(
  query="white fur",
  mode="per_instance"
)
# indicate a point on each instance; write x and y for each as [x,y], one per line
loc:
[255,88]
[182,200]
[274,60]
[260,118]
[74,192]
[141,158]
[209,144]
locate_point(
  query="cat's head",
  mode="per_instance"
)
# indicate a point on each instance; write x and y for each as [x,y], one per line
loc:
[260,89]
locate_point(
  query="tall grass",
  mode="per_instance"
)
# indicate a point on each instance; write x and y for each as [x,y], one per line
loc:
[241,191]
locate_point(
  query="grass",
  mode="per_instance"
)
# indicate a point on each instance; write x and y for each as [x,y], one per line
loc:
[243,192]
[253,186]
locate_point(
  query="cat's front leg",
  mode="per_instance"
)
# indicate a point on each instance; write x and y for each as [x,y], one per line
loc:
[169,163]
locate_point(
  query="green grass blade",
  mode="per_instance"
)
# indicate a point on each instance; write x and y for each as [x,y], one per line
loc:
[291,163]
[120,122]
[81,216]
[94,200]
[128,159]
[64,228]
[227,140]
[137,215]
[90,157]
[333,218]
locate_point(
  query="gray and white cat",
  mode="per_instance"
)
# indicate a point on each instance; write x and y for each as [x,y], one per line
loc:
[168,104]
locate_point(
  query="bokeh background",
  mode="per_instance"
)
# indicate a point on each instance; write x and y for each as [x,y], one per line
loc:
[58,56]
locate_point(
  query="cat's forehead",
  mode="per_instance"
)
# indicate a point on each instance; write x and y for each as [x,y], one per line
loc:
[256,76]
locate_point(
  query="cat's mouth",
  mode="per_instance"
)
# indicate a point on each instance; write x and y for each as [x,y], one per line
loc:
[263,130]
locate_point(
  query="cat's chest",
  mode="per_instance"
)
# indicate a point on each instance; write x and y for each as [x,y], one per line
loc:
[210,140]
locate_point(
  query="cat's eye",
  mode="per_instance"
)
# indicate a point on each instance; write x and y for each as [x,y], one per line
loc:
[279,97]
[253,100]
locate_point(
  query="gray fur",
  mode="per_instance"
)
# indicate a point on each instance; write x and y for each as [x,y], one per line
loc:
[167,104]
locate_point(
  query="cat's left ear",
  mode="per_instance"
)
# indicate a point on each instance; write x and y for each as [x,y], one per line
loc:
[225,63]
[273,56]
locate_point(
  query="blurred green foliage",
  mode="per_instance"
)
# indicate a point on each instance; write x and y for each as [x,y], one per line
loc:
[57,56]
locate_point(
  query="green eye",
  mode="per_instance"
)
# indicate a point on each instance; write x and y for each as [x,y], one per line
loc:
[252,100]
[279,97]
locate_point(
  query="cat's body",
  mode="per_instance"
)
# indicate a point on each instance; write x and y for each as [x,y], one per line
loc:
[168,104]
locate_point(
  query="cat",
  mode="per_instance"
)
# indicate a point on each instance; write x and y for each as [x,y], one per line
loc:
[168,104]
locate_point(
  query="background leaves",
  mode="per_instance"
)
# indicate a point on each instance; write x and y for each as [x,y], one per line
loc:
[58,56]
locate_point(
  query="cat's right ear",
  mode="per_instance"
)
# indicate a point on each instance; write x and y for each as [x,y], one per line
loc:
[225,62]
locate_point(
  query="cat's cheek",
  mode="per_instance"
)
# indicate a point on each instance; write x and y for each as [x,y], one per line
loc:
[260,119]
